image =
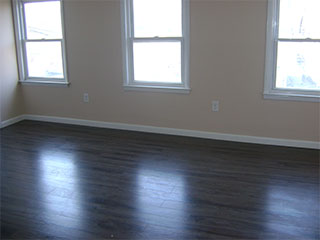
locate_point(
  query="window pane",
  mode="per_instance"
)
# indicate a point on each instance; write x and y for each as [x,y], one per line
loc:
[44,59]
[157,62]
[299,19]
[298,65]
[160,18]
[43,20]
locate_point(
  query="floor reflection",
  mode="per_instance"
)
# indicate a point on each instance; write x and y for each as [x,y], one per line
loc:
[292,202]
[161,202]
[60,191]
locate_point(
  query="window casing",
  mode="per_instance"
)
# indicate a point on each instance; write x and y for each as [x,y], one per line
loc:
[154,45]
[279,43]
[40,41]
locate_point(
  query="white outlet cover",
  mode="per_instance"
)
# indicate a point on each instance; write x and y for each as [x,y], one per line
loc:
[215,106]
[86,97]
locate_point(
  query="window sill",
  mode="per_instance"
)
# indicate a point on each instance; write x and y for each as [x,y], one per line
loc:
[45,83]
[292,97]
[157,89]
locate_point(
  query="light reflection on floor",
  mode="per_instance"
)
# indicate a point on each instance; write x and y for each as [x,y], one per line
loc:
[161,202]
[60,189]
[294,203]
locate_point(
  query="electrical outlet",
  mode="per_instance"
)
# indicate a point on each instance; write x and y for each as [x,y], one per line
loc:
[86,97]
[215,106]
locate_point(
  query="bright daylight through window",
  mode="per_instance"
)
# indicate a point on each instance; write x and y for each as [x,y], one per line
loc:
[293,50]
[155,44]
[40,41]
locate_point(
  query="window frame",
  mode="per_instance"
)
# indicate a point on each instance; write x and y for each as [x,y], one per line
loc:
[21,40]
[127,49]
[272,39]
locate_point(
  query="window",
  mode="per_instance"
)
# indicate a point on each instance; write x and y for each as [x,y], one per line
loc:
[156,44]
[40,41]
[293,50]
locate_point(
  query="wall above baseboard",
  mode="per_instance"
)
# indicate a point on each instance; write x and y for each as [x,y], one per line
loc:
[169,131]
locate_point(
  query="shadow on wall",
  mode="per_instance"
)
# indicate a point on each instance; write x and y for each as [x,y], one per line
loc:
[10,92]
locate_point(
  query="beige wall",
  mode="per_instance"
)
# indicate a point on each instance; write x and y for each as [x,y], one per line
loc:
[227,64]
[10,95]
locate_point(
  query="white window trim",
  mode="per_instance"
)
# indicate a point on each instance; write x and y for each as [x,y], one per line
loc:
[19,26]
[270,91]
[127,45]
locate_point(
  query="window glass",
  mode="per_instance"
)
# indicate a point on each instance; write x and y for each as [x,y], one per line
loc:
[157,62]
[44,59]
[298,65]
[43,20]
[154,18]
[299,19]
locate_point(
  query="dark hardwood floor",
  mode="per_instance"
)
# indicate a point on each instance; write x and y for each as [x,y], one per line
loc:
[71,182]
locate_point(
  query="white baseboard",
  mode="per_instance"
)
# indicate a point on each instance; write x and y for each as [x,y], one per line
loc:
[170,131]
[11,121]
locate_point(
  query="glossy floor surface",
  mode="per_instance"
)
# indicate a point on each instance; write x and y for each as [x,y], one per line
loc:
[72,182]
